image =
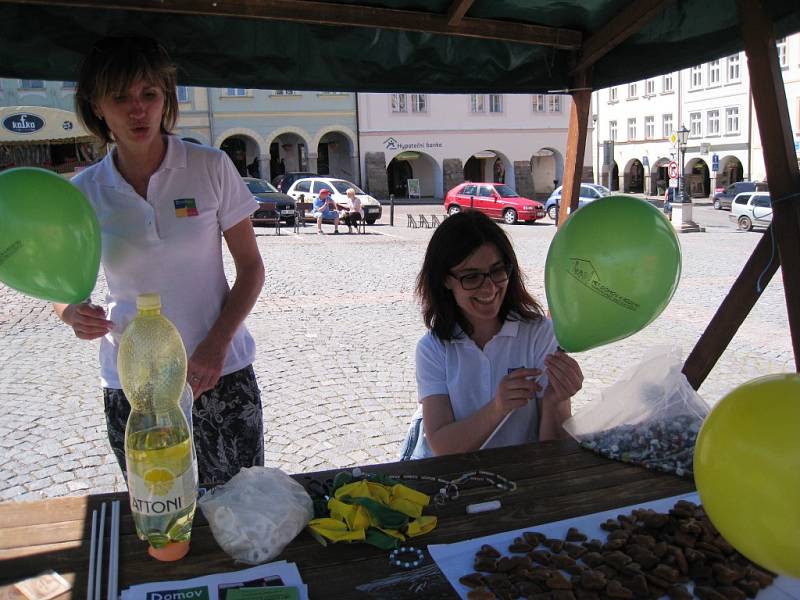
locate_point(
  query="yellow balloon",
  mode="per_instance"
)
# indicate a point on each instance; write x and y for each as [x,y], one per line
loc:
[747,470]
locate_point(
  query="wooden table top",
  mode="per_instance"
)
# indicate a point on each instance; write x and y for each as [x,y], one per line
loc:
[555,480]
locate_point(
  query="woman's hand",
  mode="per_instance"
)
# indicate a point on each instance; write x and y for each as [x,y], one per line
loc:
[516,389]
[564,375]
[205,365]
[88,321]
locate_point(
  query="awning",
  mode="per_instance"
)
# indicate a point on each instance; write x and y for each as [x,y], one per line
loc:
[38,124]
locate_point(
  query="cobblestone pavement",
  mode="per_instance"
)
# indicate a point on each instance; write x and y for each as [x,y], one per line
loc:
[339,390]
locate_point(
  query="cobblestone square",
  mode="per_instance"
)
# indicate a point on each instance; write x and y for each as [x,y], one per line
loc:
[339,390]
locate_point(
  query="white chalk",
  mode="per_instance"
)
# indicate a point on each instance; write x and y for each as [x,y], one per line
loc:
[483,507]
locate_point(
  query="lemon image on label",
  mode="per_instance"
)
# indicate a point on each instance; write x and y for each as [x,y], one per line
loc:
[159,481]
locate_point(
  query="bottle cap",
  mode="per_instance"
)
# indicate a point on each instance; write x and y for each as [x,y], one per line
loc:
[171,552]
[148,302]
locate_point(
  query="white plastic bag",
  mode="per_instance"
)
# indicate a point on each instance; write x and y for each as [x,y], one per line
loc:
[257,513]
[651,416]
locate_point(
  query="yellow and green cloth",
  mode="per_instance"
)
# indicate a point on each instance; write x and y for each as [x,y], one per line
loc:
[380,514]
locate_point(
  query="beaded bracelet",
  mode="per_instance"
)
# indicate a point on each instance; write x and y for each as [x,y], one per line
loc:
[412,564]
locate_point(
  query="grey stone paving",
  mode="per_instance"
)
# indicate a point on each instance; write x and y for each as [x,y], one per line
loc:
[340,391]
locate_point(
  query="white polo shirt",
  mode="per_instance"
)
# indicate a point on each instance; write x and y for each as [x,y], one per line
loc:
[469,376]
[169,243]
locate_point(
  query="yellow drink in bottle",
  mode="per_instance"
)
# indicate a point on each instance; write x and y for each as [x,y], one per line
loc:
[160,459]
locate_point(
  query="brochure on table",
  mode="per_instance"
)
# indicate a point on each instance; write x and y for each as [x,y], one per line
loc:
[456,560]
[267,582]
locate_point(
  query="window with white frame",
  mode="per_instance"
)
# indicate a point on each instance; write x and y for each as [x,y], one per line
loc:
[538,102]
[31,84]
[477,103]
[650,87]
[612,130]
[612,94]
[632,92]
[783,61]
[666,125]
[554,104]
[495,103]
[713,73]
[733,68]
[712,122]
[632,128]
[649,127]
[696,79]
[399,103]
[419,103]
[667,83]
[183,93]
[236,92]
[695,124]
[732,119]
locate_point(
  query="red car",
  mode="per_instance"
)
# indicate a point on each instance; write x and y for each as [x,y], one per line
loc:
[497,200]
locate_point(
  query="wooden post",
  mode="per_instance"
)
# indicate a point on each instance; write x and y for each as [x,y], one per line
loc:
[772,112]
[576,145]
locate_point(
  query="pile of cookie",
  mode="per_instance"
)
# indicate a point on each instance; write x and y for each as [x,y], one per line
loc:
[646,555]
[659,444]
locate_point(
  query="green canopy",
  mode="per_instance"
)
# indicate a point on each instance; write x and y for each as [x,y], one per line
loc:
[380,45]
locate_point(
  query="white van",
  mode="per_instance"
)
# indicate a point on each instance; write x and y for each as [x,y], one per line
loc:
[751,209]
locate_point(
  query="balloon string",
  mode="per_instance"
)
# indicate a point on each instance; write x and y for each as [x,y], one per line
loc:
[759,286]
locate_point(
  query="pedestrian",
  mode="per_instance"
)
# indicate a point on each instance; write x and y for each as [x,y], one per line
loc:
[489,371]
[326,208]
[164,207]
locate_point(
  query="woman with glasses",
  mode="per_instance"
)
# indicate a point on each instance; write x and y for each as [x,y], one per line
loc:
[165,207]
[489,372]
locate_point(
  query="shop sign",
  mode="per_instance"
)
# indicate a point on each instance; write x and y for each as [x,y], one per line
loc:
[394,144]
[23,123]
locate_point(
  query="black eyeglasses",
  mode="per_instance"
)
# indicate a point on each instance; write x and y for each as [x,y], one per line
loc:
[472,281]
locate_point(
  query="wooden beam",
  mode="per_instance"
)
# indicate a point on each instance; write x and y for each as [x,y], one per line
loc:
[772,111]
[576,146]
[342,15]
[777,140]
[632,18]
[732,312]
[457,11]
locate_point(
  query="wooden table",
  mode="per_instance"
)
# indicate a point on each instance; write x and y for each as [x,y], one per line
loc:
[555,480]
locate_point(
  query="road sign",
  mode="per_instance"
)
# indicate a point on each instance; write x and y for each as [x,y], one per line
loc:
[715,162]
[673,138]
[672,169]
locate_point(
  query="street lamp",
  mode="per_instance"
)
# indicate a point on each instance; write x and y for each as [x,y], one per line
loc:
[683,135]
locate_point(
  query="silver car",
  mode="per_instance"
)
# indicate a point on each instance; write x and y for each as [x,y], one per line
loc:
[751,209]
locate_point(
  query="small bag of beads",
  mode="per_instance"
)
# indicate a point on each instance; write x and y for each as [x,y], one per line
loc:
[650,417]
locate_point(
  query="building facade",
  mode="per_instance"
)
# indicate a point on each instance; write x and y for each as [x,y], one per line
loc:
[441,140]
[265,132]
[713,101]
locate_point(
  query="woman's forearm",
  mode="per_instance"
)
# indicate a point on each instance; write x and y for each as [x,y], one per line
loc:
[552,415]
[466,435]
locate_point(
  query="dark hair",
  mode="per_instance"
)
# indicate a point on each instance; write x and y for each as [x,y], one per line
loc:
[453,241]
[112,65]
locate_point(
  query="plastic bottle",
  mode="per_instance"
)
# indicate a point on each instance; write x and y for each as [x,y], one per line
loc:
[160,459]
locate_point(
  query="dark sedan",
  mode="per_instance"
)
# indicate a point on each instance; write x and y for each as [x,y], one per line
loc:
[273,204]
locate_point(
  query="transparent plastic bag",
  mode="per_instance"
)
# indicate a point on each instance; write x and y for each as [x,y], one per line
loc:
[650,417]
[257,513]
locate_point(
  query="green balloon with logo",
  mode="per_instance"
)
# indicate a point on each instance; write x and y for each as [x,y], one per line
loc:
[49,236]
[611,269]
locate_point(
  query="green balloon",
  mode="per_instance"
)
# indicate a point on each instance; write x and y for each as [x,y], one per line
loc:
[611,269]
[49,236]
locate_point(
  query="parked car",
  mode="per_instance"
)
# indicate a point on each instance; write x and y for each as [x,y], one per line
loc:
[722,199]
[283,182]
[496,200]
[589,193]
[751,209]
[266,195]
[310,188]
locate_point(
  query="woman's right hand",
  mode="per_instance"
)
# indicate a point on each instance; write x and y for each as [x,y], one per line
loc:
[516,389]
[88,321]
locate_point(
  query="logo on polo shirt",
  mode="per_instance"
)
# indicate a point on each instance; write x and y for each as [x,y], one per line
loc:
[185,207]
